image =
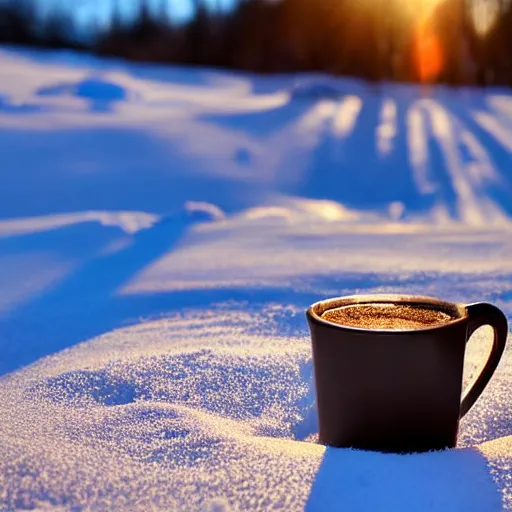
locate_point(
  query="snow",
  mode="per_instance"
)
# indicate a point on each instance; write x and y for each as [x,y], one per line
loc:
[162,231]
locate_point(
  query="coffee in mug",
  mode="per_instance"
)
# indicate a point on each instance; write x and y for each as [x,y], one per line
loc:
[388,369]
[384,315]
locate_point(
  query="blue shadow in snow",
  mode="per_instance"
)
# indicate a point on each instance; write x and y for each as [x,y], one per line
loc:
[112,169]
[7,107]
[499,156]
[101,94]
[263,123]
[86,303]
[80,307]
[351,171]
[357,480]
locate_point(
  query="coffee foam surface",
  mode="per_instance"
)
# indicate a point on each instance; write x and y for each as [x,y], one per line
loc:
[386,316]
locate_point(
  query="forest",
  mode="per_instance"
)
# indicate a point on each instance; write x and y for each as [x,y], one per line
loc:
[449,41]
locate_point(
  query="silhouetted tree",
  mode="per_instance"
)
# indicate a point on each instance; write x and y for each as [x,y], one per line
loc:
[56,31]
[17,22]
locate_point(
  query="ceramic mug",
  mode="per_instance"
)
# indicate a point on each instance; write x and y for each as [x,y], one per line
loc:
[397,390]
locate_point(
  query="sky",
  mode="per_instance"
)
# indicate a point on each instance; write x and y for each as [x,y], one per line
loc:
[100,11]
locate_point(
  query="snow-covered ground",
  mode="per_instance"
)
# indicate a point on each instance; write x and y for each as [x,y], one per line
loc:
[162,231]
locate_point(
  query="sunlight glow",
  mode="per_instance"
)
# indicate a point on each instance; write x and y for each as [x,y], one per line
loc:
[484,14]
[346,116]
[419,8]
[428,53]
[387,129]
[427,47]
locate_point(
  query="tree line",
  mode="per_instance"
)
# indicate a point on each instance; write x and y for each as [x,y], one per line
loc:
[371,39]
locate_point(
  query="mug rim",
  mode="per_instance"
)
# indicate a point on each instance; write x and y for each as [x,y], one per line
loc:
[334,302]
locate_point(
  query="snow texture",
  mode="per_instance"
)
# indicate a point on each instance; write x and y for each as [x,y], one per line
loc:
[162,231]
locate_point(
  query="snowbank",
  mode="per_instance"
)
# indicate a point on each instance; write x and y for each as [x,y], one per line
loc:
[161,233]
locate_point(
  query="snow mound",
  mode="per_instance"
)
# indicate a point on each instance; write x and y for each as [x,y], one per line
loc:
[129,222]
[91,88]
[203,212]
[316,87]
[101,93]
[162,405]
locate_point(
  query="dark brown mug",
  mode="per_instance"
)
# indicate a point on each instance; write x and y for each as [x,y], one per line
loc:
[397,390]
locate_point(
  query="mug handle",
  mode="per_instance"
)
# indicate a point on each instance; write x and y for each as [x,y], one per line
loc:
[481,314]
